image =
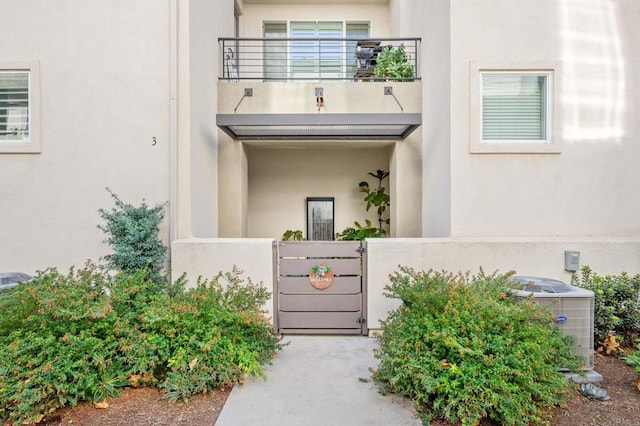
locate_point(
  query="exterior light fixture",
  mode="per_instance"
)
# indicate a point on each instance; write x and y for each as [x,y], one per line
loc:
[388,90]
[248,93]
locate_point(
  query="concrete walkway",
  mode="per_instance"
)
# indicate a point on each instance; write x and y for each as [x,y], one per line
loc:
[317,380]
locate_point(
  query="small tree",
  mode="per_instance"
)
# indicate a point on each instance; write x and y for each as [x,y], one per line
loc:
[377,197]
[132,232]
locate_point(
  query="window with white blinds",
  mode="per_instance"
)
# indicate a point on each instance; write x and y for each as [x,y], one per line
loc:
[14,107]
[275,51]
[514,107]
[311,59]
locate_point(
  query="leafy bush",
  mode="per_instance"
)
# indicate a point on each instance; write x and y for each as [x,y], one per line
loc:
[133,235]
[85,335]
[617,310]
[464,350]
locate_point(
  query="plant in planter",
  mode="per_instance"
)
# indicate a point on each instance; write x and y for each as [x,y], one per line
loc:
[394,64]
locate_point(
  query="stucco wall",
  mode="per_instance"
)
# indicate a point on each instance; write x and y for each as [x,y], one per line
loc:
[103,96]
[208,20]
[255,14]
[591,186]
[538,257]
[430,21]
[205,257]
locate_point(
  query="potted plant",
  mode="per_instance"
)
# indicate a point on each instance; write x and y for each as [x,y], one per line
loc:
[394,64]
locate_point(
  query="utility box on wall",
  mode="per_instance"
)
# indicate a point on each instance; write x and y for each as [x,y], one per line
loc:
[572,309]
[571,260]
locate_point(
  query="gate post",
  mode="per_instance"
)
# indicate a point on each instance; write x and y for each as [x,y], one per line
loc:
[364,270]
[276,273]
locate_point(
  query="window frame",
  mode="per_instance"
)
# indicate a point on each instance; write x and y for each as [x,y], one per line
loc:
[551,143]
[327,205]
[347,68]
[32,145]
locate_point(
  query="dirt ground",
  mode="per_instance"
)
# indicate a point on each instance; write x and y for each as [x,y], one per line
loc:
[145,406]
[622,410]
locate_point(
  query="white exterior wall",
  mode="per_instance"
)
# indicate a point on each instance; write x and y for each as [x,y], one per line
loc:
[204,258]
[591,187]
[526,256]
[255,14]
[207,20]
[537,257]
[104,82]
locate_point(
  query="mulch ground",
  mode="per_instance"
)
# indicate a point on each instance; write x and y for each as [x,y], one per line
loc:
[146,407]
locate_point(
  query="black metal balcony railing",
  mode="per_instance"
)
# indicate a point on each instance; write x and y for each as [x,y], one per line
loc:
[313,59]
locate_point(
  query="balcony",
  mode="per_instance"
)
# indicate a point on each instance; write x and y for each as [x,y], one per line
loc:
[293,89]
[318,59]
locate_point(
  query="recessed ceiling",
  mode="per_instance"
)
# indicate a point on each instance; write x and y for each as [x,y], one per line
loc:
[379,126]
[324,2]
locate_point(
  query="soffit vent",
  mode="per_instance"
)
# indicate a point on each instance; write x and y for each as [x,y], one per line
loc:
[383,126]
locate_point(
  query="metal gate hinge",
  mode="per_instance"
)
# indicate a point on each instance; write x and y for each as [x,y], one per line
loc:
[361,320]
[361,249]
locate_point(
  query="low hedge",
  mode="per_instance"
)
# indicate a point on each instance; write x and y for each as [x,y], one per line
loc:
[464,350]
[85,335]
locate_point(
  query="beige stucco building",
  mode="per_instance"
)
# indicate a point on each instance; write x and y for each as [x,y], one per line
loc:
[126,95]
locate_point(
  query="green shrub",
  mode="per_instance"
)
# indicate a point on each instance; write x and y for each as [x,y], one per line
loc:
[633,358]
[616,306]
[464,350]
[132,232]
[85,335]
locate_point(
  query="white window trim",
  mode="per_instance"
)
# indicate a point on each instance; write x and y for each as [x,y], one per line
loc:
[33,144]
[549,146]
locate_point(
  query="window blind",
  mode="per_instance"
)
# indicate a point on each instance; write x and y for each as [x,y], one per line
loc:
[275,50]
[14,106]
[514,107]
[312,58]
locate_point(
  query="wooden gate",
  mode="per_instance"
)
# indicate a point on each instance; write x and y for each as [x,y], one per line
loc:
[320,287]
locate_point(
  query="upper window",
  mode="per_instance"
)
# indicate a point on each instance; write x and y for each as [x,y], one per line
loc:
[311,54]
[512,110]
[514,107]
[18,108]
